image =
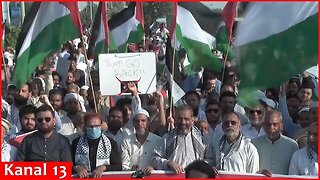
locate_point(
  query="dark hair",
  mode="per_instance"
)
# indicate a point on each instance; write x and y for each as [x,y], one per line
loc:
[229,84]
[203,167]
[91,115]
[55,73]
[12,87]
[209,103]
[295,80]
[45,107]
[27,109]
[306,84]
[193,92]
[123,101]
[55,91]
[293,96]
[227,94]
[118,108]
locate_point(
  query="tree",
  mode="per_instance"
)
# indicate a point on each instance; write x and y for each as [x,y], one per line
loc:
[154,10]
[11,36]
[114,8]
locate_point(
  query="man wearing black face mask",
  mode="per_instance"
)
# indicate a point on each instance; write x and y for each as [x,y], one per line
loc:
[115,123]
[94,152]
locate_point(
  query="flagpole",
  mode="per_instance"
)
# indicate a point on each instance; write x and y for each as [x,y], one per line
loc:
[171,76]
[225,58]
[5,71]
[90,79]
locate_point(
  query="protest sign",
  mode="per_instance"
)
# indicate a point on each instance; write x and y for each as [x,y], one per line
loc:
[116,70]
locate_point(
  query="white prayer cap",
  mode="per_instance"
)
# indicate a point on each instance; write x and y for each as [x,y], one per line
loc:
[85,87]
[142,111]
[269,102]
[6,124]
[77,97]
[314,104]
[304,109]
[71,96]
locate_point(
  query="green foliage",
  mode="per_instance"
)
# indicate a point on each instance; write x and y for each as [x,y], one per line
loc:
[154,10]
[114,8]
[11,36]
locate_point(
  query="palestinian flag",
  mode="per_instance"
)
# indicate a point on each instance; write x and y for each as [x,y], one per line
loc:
[3,33]
[175,81]
[100,40]
[46,27]
[127,26]
[224,33]
[195,28]
[277,40]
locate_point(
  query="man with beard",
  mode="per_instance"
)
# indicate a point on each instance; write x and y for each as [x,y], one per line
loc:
[275,150]
[94,152]
[71,106]
[213,112]
[182,145]
[305,161]
[56,100]
[45,144]
[256,115]
[138,147]
[27,117]
[293,86]
[21,97]
[193,100]
[10,94]
[234,152]
[116,131]
[228,101]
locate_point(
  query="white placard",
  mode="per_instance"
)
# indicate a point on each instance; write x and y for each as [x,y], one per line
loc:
[115,70]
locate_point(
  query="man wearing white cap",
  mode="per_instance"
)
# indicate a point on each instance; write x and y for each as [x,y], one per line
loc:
[8,152]
[72,106]
[307,116]
[137,148]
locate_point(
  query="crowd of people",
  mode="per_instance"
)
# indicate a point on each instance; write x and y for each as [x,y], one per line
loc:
[69,120]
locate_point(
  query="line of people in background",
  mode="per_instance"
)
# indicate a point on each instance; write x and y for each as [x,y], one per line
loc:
[279,135]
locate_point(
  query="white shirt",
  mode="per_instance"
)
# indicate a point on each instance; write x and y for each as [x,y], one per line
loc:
[301,164]
[8,152]
[183,154]
[134,153]
[243,158]
[250,132]
[119,137]
[67,127]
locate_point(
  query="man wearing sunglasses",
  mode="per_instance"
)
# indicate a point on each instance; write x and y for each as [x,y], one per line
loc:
[213,112]
[234,152]
[275,150]
[45,144]
[256,115]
